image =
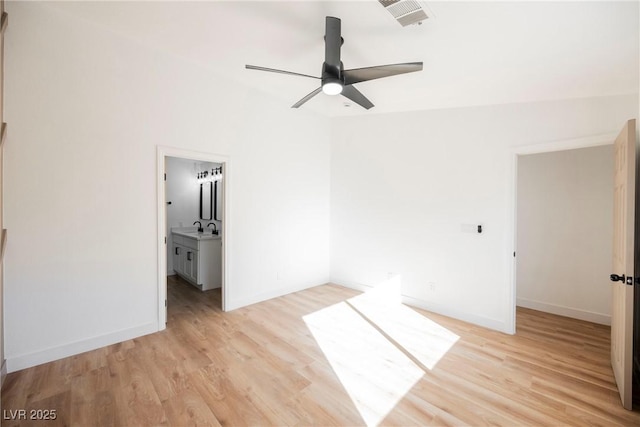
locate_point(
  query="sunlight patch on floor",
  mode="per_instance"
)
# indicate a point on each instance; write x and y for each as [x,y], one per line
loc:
[374,373]
[422,338]
[378,347]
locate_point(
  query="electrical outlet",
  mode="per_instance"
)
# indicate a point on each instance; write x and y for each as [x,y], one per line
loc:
[431,286]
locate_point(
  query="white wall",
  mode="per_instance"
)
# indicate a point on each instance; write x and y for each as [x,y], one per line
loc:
[403,186]
[564,232]
[88,109]
[183,191]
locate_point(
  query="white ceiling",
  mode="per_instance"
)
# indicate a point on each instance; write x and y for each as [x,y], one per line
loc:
[474,53]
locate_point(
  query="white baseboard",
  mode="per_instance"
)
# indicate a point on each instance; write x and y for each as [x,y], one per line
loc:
[574,313]
[24,361]
[234,304]
[485,322]
[352,285]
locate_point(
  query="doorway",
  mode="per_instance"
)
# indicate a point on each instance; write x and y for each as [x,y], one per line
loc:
[516,299]
[564,226]
[221,221]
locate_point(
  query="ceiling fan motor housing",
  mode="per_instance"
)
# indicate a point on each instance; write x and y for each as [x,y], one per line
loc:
[332,74]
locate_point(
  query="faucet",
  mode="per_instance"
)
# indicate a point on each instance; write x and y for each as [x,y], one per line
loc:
[200,229]
[215,228]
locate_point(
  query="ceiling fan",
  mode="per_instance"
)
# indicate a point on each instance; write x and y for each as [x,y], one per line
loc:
[335,79]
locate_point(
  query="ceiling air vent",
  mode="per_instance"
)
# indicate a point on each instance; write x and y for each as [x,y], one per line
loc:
[406,12]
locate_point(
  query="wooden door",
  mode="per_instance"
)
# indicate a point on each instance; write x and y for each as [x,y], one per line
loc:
[3,233]
[623,257]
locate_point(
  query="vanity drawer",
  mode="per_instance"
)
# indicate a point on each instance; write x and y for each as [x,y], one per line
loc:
[190,243]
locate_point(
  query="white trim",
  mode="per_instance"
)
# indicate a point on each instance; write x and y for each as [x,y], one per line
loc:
[352,285]
[566,144]
[71,349]
[511,239]
[161,243]
[235,304]
[574,313]
[486,322]
[547,147]
[162,153]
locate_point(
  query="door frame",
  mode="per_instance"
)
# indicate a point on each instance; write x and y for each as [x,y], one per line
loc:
[162,153]
[516,152]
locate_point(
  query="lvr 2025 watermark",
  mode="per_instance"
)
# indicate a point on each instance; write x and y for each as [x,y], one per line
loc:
[32,414]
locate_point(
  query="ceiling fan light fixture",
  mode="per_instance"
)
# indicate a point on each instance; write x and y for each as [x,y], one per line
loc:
[332,87]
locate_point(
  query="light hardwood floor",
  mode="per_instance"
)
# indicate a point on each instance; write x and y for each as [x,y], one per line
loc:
[325,357]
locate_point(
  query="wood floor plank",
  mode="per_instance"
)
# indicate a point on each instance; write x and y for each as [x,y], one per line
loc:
[92,400]
[281,363]
[226,398]
[189,409]
[137,402]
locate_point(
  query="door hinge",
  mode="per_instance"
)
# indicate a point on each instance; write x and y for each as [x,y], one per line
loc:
[165,240]
[514,254]
[165,176]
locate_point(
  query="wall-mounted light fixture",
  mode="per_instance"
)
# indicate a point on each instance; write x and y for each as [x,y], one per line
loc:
[213,175]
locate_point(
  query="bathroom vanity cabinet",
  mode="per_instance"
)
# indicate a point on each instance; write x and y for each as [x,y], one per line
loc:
[197,258]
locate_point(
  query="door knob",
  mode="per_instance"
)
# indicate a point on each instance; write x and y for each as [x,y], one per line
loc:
[616,278]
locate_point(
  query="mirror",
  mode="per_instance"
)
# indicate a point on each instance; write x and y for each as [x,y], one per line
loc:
[206,199]
[217,201]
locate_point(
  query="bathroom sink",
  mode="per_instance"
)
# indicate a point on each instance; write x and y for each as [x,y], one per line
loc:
[196,235]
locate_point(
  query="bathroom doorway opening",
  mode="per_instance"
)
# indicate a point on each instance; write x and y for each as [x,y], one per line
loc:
[184,199]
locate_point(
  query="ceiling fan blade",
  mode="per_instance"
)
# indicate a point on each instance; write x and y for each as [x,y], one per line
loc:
[356,96]
[273,70]
[306,98]
[358,75]
[332,42]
